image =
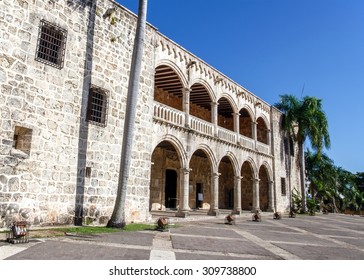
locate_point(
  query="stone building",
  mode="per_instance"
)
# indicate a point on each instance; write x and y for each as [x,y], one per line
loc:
[201,140]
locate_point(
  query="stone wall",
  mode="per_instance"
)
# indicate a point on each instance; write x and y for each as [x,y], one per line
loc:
[48,184]
[57,168]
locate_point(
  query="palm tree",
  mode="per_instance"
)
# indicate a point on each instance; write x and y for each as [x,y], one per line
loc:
[305,119]
[322,173]
[118,216]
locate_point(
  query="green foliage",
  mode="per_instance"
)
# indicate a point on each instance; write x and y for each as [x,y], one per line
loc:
[138,227]
[113,21]
[296,200]
[311,206]
[87,230]
[305,119]
[333,187]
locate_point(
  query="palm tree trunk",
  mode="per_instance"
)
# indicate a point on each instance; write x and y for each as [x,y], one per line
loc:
[302,175]
[118,216]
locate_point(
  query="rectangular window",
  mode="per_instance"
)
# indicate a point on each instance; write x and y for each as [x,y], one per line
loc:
[283,186]
[51,44]
[97,106]
[289,146]
[22,139]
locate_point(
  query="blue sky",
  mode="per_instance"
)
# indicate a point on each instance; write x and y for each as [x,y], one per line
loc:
[275,47]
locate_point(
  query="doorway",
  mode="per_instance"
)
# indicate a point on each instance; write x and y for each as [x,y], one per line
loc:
[171,189]
[199,195]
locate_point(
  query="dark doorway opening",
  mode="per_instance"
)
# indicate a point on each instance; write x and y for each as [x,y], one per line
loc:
[199,195]
[231,199]
[171,189]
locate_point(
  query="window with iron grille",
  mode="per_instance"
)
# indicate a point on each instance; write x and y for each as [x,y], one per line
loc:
[283,186]
[51,44]
[97,106]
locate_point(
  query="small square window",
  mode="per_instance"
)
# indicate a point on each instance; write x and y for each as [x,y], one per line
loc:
[22,139]
[88,172]
[51,44]
[97,106]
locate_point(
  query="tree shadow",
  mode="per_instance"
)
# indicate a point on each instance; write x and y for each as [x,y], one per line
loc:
[84,129]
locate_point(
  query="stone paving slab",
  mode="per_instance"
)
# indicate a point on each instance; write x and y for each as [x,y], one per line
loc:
[264,227]
[308,252]
[225,246]
[358,242]
[58,250]
[292,237]
[194,256]
[132,238]
[321,237]
[200,230]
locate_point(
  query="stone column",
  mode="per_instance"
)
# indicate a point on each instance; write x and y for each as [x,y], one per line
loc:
[236,126]
[184,193]
[214,117]
[255,134]
[237,195]
[214,207]
[269,140]
[270,197]
[186,106]
[256,203]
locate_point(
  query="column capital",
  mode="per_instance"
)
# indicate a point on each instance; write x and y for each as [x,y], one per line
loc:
[185,170]
[186,89]
[216,174]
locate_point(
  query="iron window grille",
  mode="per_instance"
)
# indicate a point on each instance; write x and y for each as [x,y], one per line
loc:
[51,44]
[97,106]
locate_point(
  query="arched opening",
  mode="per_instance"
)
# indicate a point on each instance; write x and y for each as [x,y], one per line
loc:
[247,174]
[225,114]
[200,102]
[164,183]
[168,88]
[200,181]
[245,123]
[262,131]
[226,184]
[263,188]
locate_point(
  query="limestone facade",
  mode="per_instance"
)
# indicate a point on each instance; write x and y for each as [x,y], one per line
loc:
[200,141]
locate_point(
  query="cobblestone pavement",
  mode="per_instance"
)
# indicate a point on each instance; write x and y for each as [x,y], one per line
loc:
[331,237]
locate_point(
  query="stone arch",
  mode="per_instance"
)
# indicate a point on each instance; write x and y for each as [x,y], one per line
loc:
[207,85]
[249,110]
[248,173]
[176,69]
[176,143]
[167,161]
[234,161]
[264,185]
[210,155]
[246,120]
[262,129]
[232,101]
[227,171]
[225,113]
[252,164]
[201,101]
[269,170]
[169,85]
[202,164]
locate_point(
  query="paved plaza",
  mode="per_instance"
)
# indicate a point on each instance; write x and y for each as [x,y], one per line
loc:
[320,237]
